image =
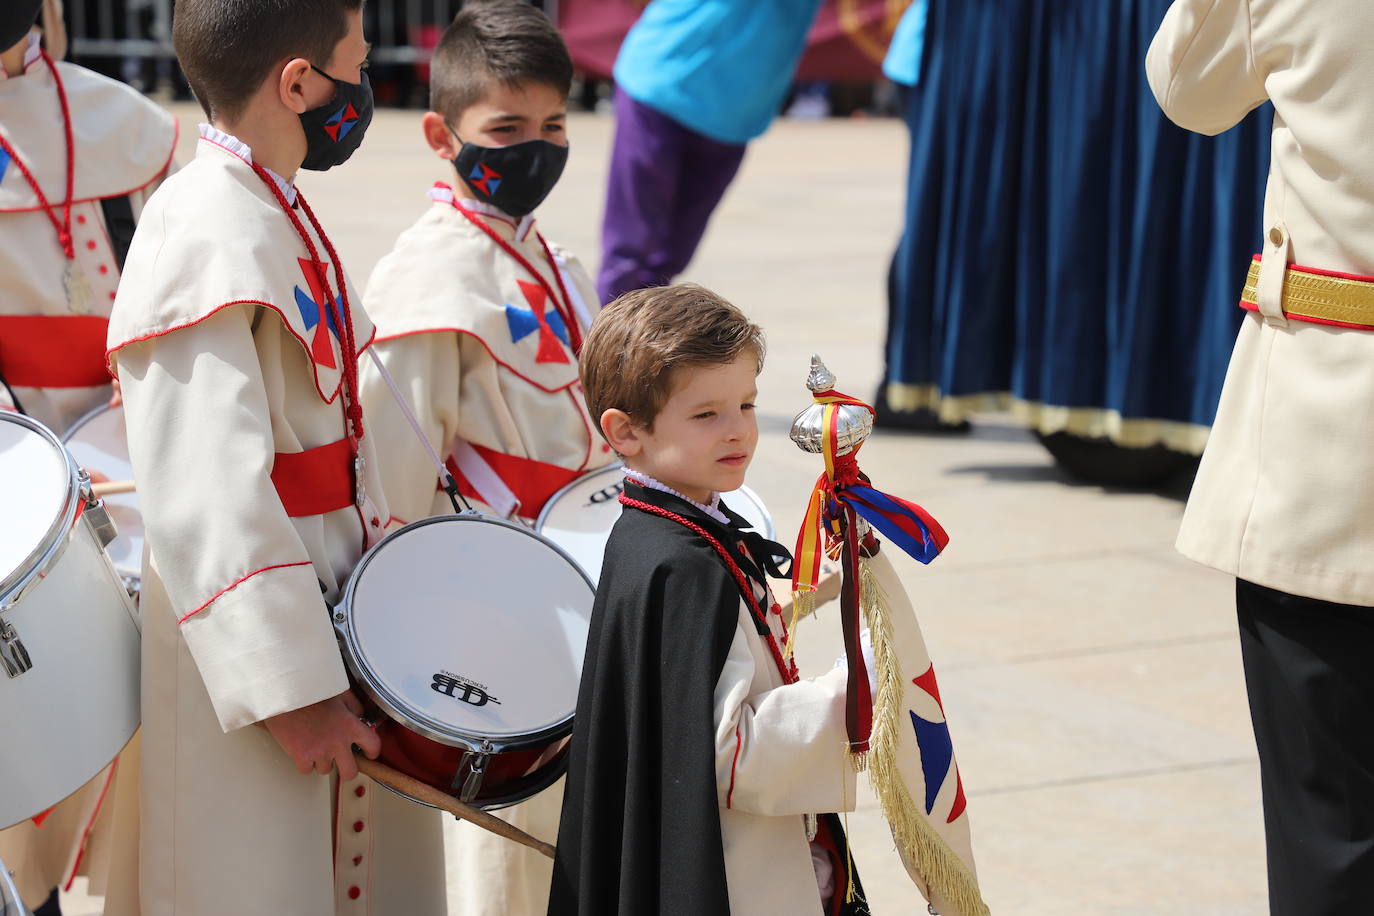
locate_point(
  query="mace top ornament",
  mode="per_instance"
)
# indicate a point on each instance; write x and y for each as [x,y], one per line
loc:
[852,424]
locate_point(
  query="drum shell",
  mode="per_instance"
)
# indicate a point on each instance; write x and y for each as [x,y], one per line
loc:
[75,709]
[422,744]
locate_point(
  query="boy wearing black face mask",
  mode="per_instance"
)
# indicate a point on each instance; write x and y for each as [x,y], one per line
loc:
[480,320]
[236,335]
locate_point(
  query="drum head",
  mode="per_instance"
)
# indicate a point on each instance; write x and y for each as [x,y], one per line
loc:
[468,629]
[580,516]
[37,492]
[99,443]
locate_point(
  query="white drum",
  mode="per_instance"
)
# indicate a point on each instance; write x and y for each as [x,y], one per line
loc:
[99,444]
[580,516]
[468,632]
[69,640]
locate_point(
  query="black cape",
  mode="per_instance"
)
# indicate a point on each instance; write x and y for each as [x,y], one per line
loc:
[640,830]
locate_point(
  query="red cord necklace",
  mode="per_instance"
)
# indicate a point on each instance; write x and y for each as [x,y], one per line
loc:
[787,667]
[338,307]
[74,281]
[564,305]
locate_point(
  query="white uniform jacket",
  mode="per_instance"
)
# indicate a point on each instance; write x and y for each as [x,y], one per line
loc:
[230,362]
[486,361]
[1284,497]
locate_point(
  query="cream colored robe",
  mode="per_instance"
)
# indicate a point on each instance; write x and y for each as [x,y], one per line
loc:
[1283,496]
[213,342]
[122,146]
[781,753]
[440,300]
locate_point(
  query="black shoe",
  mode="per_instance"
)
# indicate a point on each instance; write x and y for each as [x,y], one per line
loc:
[50,907]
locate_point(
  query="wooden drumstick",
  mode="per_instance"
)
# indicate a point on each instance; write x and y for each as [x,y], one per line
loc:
[432,796]
[112,487]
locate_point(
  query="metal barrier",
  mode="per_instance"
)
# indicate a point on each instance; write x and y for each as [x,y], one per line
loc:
[402,32]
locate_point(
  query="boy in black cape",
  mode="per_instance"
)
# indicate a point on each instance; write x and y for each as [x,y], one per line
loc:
[699,759]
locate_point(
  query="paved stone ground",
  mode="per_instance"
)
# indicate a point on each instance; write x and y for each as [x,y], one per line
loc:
[1091,675]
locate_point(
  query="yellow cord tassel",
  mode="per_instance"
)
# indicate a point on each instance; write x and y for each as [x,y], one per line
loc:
[944,872]
[803,605]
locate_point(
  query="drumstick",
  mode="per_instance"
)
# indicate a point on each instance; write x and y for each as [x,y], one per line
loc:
[432,796]
[112,487]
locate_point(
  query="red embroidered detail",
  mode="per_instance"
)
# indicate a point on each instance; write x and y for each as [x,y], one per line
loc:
[360,791]
[354,893]
[927,683]
[730,795]
[787,668]
[358,826]
[235,584]
[960,803]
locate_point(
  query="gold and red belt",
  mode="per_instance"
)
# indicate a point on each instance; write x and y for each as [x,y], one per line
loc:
[53,351]
[1318,296]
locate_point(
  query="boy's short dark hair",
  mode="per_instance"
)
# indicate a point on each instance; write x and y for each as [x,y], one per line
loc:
[636,343]
[227,48]
[491,42]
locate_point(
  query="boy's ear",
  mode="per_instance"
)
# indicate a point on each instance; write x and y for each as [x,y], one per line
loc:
[291,85]
[438,136]
[621,432]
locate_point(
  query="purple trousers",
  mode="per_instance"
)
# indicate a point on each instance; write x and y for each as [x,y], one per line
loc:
[665,181]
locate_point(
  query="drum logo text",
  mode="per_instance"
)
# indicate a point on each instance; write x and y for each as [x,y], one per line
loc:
[462,688]
[605,495]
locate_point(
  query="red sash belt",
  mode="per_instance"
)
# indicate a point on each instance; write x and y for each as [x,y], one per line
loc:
[53,351]
[315,481]
[532,482]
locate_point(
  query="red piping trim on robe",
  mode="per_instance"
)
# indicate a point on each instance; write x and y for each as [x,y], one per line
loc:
[162,173]
[235,584]
[328,399]
[503,364]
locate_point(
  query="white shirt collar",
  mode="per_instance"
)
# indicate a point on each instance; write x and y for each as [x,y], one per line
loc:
[644,480]
[236,146]
[32,52]
[444,194]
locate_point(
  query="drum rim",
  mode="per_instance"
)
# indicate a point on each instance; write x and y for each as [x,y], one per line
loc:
[85,418]
[770,530]
[50,548]
[346,630]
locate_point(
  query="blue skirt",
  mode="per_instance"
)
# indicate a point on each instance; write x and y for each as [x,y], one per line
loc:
[1067,251]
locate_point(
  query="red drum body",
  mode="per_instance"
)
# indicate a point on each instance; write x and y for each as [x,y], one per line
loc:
[468,633]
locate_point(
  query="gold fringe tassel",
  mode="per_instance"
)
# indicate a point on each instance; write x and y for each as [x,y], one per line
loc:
[944,872]
[803,604]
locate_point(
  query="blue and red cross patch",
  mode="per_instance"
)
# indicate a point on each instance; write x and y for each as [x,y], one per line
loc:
[316,313]
[538,317]
[342,121]
[484,178]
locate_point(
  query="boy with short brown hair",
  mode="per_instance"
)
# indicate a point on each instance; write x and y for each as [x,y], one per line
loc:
[480,320]
[701,764]
[236,336]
